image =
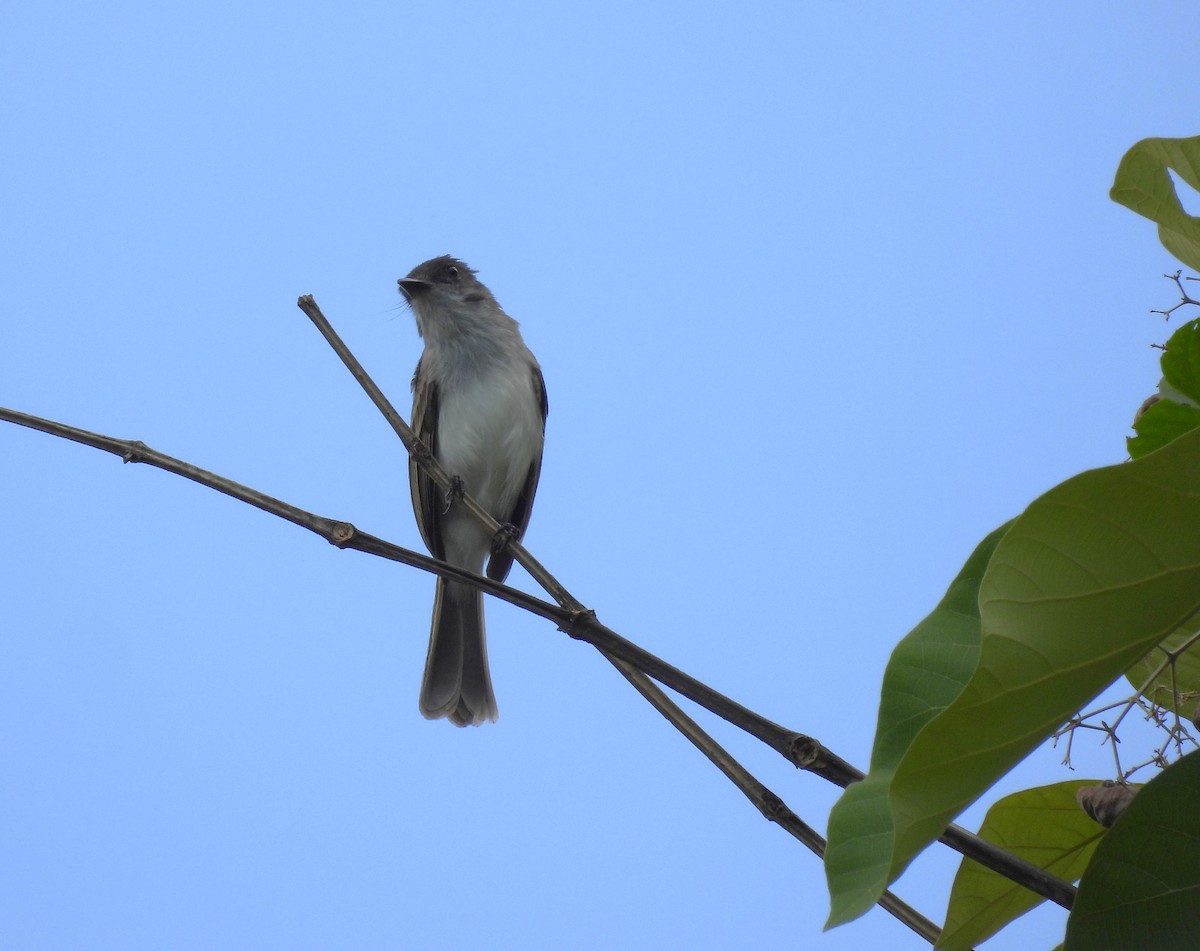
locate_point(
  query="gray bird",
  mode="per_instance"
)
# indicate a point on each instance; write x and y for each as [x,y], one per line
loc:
[479,403]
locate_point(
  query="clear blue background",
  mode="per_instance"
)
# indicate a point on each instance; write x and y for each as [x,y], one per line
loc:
[823,293]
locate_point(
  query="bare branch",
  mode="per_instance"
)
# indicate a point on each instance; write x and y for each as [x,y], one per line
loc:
[580,623]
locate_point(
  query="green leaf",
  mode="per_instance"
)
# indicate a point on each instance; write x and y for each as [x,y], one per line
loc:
[1142,887]
[926,671]
[1160,424]
[1093,575]
[1143,185]
[930,665]
[1044,826]
[1181,360]
[1179,408]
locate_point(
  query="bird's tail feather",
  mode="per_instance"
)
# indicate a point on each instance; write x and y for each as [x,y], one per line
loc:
[456,683]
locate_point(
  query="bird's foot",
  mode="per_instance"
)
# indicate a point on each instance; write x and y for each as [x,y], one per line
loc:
[508,532]
[454,494]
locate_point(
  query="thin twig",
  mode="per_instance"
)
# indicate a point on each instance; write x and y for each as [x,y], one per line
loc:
[1177,734]
[1184,297]
[425,459]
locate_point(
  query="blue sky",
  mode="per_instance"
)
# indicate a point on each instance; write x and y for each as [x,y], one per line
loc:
[822,295]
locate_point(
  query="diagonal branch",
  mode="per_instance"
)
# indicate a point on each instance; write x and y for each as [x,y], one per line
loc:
[802,751]
[425,459]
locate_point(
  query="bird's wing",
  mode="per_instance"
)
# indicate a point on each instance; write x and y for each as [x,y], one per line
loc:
[501,562]
[426,499]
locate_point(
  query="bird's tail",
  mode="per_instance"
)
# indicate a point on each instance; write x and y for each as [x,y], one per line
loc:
[456,683]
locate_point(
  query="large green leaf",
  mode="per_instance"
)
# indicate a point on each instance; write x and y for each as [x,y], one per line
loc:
[926,671]
[1093,575]
[1143,185]
[1044,826]
[1142,887]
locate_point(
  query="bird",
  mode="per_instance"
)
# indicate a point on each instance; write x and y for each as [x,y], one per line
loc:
[479,405]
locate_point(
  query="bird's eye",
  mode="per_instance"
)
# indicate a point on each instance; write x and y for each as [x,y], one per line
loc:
[449,273]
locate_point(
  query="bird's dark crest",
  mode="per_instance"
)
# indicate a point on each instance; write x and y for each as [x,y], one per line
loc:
[430,270]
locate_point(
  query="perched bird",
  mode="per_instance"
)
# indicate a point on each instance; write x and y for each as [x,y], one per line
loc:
[479,404]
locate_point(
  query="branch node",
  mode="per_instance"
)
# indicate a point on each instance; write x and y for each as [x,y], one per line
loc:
[135,452]
[571,628]
[771,806]
[805,751]
[342,534]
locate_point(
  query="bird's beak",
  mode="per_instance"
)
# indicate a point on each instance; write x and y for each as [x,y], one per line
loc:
[411,286]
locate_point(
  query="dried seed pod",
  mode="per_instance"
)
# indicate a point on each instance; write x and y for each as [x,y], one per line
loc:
[1149,401]
[1105,802]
